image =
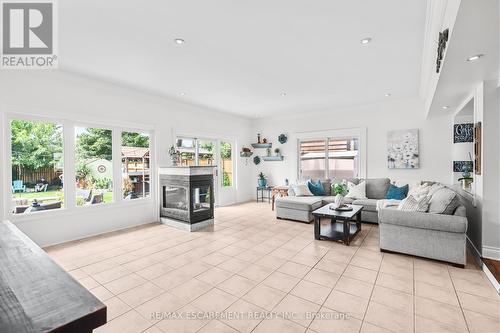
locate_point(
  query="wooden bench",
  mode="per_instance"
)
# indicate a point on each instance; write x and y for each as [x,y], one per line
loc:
[37,295]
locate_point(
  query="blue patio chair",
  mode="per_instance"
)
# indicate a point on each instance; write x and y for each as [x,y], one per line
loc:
[17,185]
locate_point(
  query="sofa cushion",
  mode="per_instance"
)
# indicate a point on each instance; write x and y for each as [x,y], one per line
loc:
[327,186]
[376,188]
[299,203]
[397,193]
[368,204]
[444,201]
[316,188]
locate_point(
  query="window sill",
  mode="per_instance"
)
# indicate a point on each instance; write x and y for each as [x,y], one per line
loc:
[20,218]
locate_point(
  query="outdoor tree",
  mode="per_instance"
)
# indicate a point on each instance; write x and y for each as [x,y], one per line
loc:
[35,145]
[132,139]
[94,143]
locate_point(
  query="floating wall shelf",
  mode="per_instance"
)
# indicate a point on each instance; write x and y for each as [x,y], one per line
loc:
[261,145]
[272,158]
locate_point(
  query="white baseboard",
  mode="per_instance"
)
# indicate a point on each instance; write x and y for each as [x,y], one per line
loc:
[491,252]
[492,279]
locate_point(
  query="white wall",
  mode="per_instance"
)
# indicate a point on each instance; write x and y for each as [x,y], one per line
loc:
[68,96]
[435,138]
[491,173]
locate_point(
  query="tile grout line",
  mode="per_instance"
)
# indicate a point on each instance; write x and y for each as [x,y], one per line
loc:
[458,299]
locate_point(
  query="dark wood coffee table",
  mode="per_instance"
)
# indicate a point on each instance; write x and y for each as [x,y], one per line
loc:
[342,227]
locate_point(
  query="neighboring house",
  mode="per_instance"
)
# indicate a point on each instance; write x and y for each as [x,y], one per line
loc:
[135,167]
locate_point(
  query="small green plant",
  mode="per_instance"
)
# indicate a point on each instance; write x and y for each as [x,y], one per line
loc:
[339,189]
[262,176]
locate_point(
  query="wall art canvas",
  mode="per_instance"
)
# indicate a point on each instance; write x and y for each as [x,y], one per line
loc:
[460,166]
[463,133]
[402,149]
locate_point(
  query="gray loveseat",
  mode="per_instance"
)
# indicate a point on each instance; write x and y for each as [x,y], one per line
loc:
[301,208]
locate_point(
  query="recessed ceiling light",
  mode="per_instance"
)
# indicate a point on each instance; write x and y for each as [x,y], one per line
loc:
[183,93]
[179,41]
[475,57]
[446,107]
[387,95]
[366,40]
[283,94]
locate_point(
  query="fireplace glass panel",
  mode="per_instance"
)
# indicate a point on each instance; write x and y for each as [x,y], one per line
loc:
[175,198]
[201,198]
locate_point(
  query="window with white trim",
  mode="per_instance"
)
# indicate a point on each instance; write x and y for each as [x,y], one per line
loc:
[333,157]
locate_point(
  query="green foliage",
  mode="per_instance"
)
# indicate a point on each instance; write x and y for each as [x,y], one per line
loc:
[226,180]
[94,143]
[101,183]
[339,188]
[225,150]
[82,171]
[261,175]
[132,139]
[34,144]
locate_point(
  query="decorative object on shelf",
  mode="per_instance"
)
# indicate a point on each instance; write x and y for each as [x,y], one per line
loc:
[262,181]
[268,152]
[339,189]
[174,153]
[256,160]
[402,149]
[443,39]
[277,151]
[463,133]
[282,138]
[466,176]
[477,148]
[458,166]
[258,138]
[264,140]
[261,145]
[287,182]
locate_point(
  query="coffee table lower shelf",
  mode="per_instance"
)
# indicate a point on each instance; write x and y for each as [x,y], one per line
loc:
[335,231]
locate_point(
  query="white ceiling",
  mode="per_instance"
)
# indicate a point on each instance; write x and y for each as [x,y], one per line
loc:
[240,56]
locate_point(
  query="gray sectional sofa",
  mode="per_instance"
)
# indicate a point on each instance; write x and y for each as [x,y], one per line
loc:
[301,208]
[431,235]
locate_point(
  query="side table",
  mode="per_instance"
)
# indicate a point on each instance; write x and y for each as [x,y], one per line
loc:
[282,191]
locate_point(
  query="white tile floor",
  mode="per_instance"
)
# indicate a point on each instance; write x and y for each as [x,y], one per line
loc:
[276,277]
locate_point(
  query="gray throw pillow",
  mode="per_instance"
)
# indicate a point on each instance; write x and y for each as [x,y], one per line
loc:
[443,201]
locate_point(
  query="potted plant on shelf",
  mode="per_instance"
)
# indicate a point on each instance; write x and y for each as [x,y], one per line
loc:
[262,180]
[277,151]
[339,189]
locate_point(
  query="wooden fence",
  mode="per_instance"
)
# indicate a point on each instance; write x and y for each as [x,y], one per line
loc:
[33,176]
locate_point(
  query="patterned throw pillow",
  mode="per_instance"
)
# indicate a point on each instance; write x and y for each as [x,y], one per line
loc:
[356,191]
[411,204]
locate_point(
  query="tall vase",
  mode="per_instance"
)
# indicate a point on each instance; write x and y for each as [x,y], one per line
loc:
[339,199]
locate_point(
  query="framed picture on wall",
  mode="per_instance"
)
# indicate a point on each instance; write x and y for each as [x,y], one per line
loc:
[463,133]
[402,149]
